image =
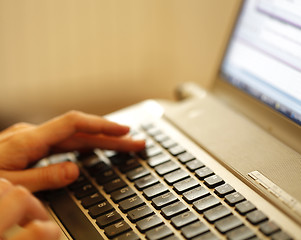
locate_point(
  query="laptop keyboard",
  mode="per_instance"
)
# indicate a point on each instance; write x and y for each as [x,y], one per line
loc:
[163,192]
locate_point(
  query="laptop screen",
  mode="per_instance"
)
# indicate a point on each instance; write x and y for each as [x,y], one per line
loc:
[264,54]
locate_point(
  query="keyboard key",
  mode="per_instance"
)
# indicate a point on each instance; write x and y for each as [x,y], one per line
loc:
[183,219]
[92,200]
[213,181]
[114,185]
[100,209]
[195,194]
[148,223]
[84,191]
[154,190]
[227,224]
[129,165]
[194,165]
[122,194]
[150,152]
[130,203]
[106,176]
[158,233]
[163,200]
[161,137]
[145,182]
[173,209]
[240,233]
[176,176]
[206,236]
[167,167]
[99,168]
[194,230]
[139,213]
[206,203]
[204,172]
[185,157]
[244,207]
[185,185]
[157,160]
[127,236]
[281,236]
[176,150]
[168,143]
[234,198]
[223,190]
[217,213]
[116,229]
[137,173]
[79,182]
[256,217]
[108,219]
[268,228]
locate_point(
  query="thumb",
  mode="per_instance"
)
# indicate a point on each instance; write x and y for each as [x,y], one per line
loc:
[50,177]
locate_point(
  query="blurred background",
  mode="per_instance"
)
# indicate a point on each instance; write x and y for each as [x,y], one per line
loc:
[98,55]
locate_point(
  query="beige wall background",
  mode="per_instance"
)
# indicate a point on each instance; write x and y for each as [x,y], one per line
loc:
[101,55]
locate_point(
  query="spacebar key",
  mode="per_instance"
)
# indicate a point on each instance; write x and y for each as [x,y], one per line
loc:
[73,219]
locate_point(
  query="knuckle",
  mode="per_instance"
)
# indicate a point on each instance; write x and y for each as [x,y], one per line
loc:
[21,125]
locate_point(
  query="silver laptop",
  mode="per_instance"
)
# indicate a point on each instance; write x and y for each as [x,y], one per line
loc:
[220,163]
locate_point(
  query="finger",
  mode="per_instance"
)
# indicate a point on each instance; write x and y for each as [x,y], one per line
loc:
[19,206]
[50,177]
[84,142]
[61,128]
[15,128]
[5,186]
[37,230]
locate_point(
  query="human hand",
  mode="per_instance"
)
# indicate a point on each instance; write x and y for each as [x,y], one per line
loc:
[23,144]
[19,207]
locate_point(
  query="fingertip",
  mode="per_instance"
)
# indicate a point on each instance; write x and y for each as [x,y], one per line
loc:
[70,172]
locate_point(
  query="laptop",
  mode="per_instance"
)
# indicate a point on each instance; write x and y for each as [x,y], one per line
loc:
[220,163]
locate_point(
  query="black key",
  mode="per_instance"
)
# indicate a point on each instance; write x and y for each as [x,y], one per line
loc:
[145,182]
[185,185]
[224,189]
[150,152]
[256,217]
[116,229]
[268,228]
[244,207]
[195,194]
[163,200]
[108,219]
[154,190]
[240,233]
[194,230]
[78,225]
[79,182]
[99,168]
[173,209]
[127,236]
[100,209]
[89,159]
[167,167]
[281,236]
[129,165]
[206,203]
[84,191]
[194,165]
[148,223]
[206,236]
[176,176]
[137,173]
[106,176]
[216,213]
[92,200]
[168,143]
[122,194]
[139,213]
[176,150]
[118,158]
[130,203]
[158,233]
[183,219]
[204,172]
[159,159]
[114,185]
[228,223]
[185,157]
[213,181]
[234,198]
